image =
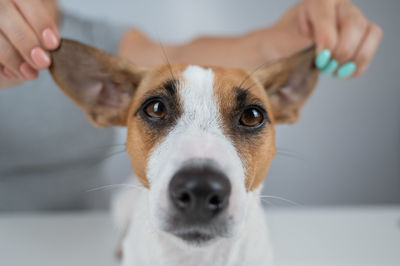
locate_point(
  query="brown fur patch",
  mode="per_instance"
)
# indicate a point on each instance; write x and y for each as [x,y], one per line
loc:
[258,149]
[141,137]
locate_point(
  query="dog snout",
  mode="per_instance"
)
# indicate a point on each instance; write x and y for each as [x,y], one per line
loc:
[199,193]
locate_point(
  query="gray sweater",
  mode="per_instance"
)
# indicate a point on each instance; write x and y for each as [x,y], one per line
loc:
[49,153]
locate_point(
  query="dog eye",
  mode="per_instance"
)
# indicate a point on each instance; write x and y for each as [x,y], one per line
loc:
[251,117]
[156,109]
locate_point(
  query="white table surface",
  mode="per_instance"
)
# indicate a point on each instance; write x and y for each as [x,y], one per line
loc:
[306,237]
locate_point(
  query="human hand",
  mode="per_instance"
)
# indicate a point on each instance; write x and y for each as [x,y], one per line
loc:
[346,41]
[27,31]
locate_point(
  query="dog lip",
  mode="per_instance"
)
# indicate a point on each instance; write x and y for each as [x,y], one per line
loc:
[195,237]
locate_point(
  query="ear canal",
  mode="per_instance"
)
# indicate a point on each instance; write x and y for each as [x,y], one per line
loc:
[100,84]
[289,82]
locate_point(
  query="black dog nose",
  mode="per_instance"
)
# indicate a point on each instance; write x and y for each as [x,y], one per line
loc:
[200,193]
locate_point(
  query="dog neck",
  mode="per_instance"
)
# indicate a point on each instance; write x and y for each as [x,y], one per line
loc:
[145,246]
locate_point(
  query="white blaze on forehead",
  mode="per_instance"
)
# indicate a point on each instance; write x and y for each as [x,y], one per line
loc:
[199,102]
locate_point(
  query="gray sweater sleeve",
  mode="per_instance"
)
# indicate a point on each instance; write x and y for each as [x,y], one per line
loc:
[50,155]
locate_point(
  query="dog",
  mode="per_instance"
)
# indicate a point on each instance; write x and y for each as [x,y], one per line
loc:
[200,140]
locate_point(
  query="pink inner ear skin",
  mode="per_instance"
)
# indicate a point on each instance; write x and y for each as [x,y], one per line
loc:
[106,94]
[291,93]
[110,95]
[90,92]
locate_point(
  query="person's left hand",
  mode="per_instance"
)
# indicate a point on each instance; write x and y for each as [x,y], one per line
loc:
[346,41]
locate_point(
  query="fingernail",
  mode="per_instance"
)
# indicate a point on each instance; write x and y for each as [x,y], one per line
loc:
[346,70]
[332,65]
[27,71]
[50,39]
[9,74]
[323,58]
[40,58]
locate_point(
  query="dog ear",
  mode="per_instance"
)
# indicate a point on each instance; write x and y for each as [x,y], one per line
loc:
[289,82]
[102,85]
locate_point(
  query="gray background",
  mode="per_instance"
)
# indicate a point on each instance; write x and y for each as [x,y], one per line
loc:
[346,147]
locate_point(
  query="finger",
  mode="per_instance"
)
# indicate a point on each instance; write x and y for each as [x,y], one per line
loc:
[321,16]
[9,57]
[6,81]
[368,48]
[352,28]
[3,77]
[6,77]
[28,72]
[22,37]
[9,74]
[39,18]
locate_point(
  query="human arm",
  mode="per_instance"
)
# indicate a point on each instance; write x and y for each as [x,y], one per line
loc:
[336,25]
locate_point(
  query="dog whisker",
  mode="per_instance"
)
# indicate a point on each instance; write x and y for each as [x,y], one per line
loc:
[111,155]
[113,186]
[105,148]
[112,145]
[282,199]
[257,68]
[107,157]
[94,162]
[90,150]
[289,153]
[267,202]
[166,59]
[91,163]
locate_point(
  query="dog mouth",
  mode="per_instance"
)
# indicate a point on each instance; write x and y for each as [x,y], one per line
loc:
[195,237]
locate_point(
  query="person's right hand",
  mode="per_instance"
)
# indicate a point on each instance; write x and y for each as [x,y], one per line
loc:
[27,31]
[346,40]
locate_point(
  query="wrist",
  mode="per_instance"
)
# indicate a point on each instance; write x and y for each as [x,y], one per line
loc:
[268,43]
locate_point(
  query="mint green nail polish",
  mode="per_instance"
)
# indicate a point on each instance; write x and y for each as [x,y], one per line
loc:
[323,58]
[346,70]
[332,65]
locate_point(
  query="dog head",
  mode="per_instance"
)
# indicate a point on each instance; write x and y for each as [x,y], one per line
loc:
[201,139]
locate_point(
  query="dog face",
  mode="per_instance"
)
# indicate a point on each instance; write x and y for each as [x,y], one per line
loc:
[201,139]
